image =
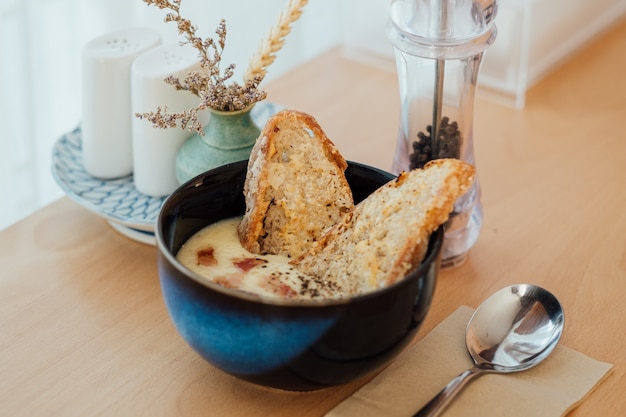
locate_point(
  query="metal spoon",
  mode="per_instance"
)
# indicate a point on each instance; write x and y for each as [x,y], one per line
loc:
[512,330]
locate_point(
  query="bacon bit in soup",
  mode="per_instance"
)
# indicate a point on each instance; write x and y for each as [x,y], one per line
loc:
[246,264]
[230,280]
[206,257]
[274,284]
[284,290]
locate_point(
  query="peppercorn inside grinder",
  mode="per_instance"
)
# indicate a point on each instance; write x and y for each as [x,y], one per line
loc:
[439,45]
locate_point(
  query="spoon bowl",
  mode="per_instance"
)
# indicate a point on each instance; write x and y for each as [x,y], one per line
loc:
[512,330]
[515,328]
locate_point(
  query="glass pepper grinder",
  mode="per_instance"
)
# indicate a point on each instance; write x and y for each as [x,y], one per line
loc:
[439,45]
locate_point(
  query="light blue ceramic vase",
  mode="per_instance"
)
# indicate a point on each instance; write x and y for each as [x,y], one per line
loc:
[228,137]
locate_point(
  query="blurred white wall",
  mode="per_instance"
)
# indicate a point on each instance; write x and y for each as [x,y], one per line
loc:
[41,43]
[534,36]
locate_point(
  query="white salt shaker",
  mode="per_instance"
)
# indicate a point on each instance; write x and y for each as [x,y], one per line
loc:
[106,102]
[154,149]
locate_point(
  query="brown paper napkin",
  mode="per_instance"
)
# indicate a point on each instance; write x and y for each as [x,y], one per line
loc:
[550,389]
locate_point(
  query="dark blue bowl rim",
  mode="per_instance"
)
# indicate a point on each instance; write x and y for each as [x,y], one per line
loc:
[431,256]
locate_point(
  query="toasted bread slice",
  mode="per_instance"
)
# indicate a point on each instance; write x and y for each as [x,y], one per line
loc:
[295,187]
[387,234]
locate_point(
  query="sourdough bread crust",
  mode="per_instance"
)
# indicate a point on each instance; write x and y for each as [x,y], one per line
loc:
[295,186]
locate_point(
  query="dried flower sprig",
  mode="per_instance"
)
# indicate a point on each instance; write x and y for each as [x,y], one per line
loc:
[266,54]
[209,84]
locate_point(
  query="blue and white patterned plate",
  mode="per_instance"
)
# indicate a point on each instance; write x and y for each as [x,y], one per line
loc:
[130,212]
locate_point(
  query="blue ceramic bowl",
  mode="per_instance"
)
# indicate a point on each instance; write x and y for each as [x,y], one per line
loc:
[292,345]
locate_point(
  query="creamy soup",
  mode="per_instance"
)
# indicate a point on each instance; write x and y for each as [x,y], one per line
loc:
[216,253]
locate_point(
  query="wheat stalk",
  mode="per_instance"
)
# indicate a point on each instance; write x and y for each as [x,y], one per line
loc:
[266,54]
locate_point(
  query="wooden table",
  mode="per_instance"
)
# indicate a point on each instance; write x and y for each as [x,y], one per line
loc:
[84,331]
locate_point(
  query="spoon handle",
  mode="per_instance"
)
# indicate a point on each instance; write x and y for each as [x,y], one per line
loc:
[440,401]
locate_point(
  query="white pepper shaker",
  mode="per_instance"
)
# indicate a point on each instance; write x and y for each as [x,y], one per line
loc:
[106,102]
[154,149]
